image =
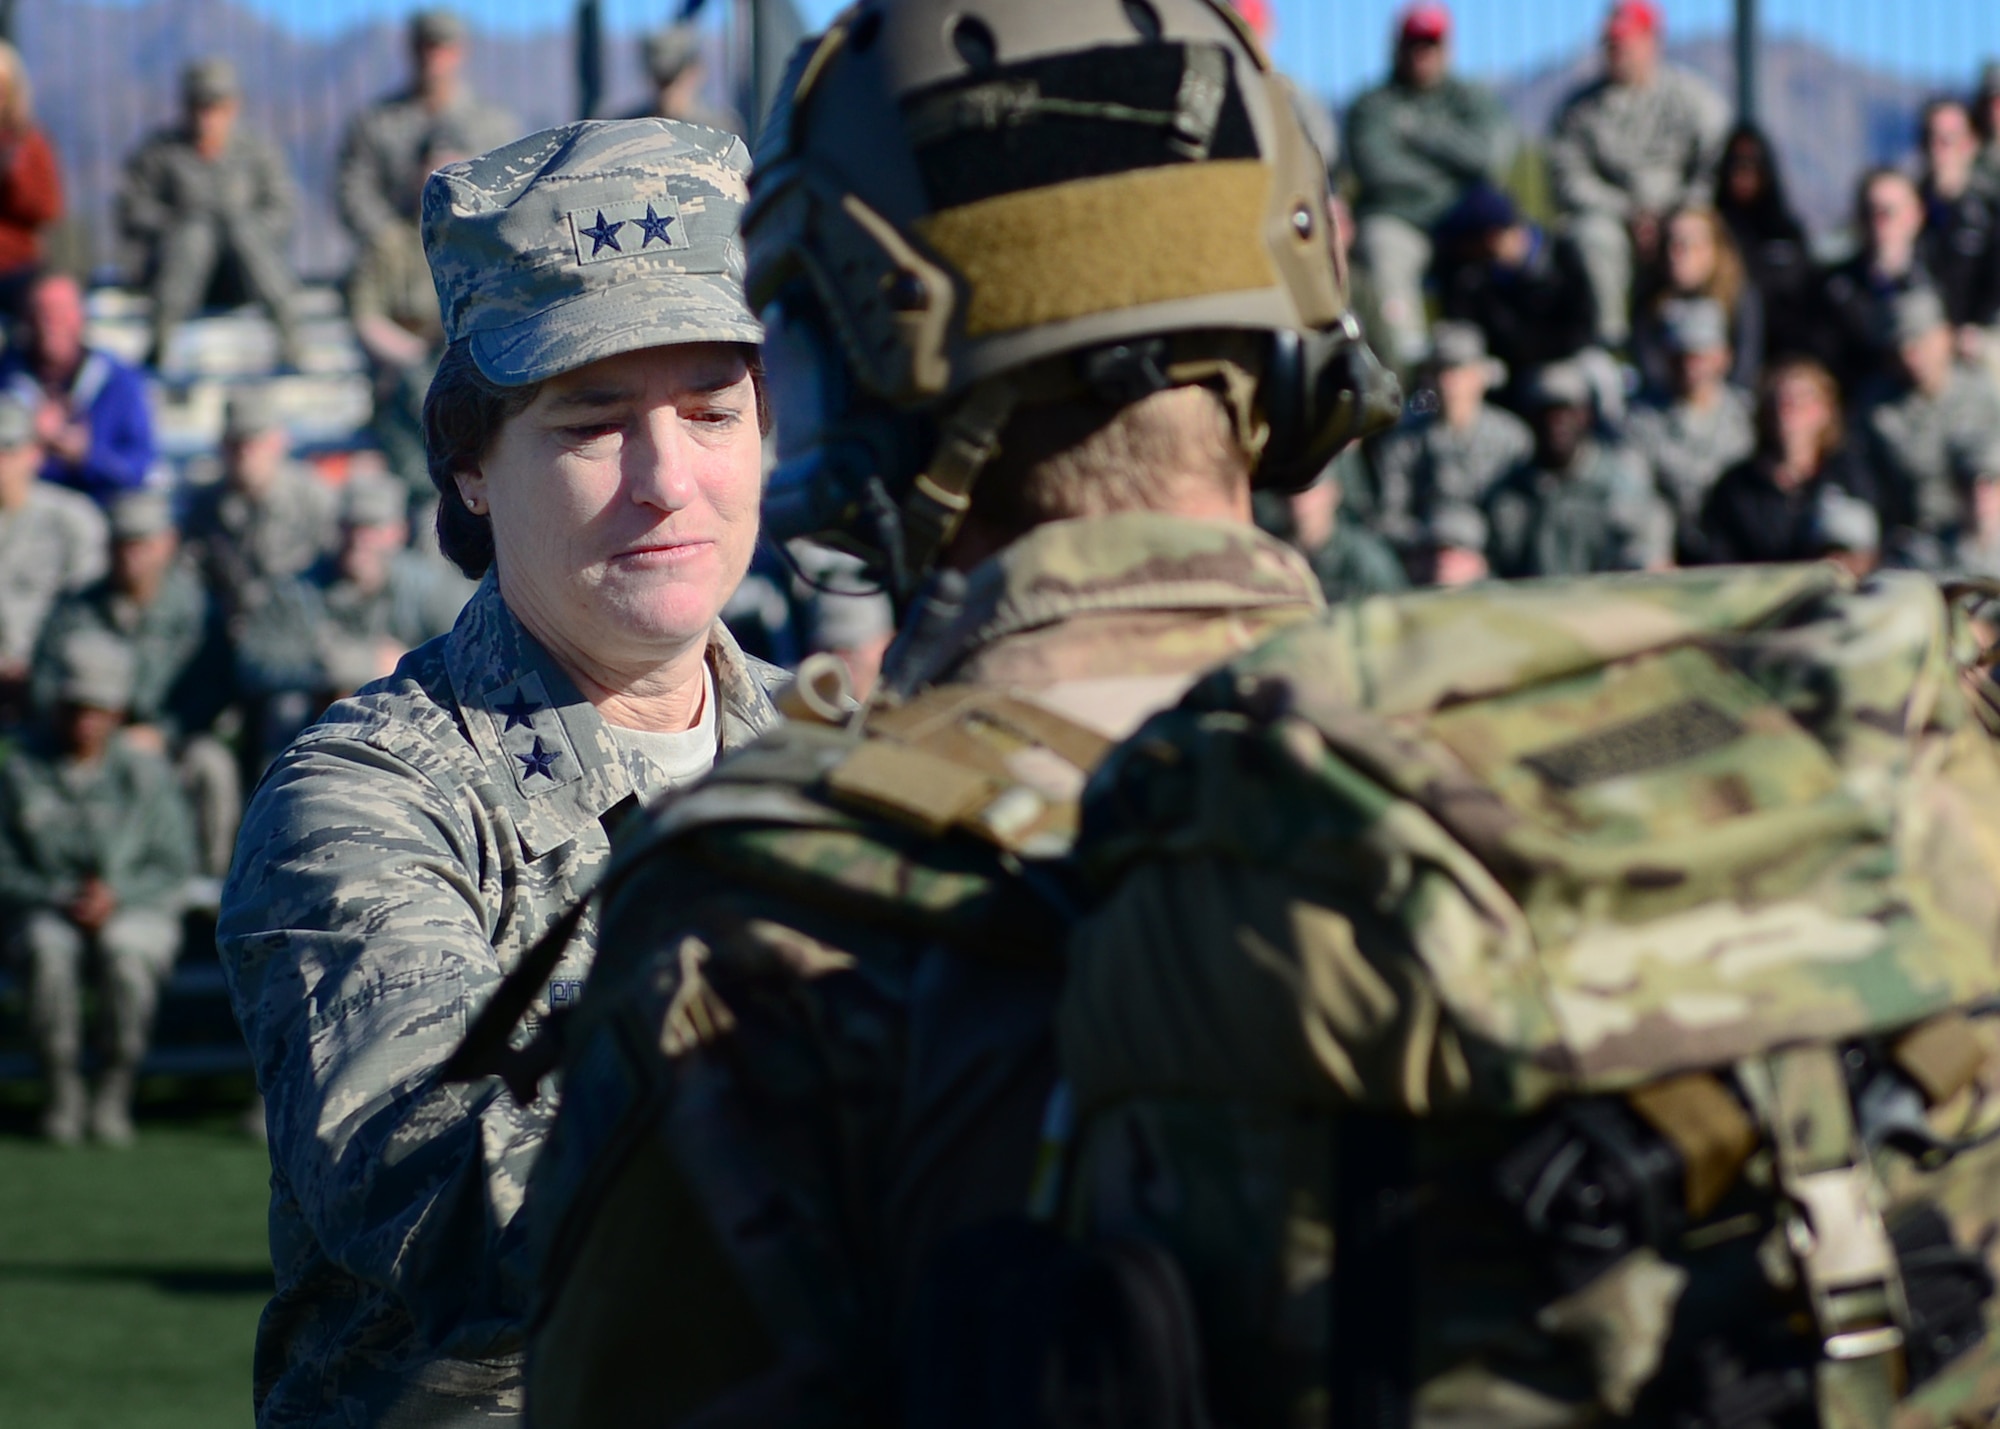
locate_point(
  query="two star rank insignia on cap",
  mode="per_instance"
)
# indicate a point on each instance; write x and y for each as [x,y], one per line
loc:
[603,232]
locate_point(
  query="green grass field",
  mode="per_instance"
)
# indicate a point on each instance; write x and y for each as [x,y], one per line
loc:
[130,1281]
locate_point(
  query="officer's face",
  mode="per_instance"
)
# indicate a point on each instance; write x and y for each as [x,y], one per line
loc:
[624,501]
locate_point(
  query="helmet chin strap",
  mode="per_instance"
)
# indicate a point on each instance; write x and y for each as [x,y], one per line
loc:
[942,493]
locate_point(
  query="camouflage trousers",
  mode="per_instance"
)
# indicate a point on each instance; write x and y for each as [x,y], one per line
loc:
[187,260]
[134,951]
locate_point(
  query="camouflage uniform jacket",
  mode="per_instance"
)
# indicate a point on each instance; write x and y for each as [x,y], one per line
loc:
[1600,515]
[1689,449]
[175,641]
[392,280]
[245,545]
[168,183]
[381,159]
[1426,464]
[123,821]
[806,1053]
[1925,451]
[397,859]
[53,544]
[1619,149]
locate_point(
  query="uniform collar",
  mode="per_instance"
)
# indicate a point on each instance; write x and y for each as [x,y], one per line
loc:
[1132,561]
[551,756]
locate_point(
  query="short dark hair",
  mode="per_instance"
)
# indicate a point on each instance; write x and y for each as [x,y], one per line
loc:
[464,411]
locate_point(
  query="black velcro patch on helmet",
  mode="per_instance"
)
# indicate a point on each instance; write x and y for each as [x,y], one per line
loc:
[1078,116]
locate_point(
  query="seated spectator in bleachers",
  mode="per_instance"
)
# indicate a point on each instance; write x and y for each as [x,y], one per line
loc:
[1526,289]
[1351,561]
[1976,551]
[1773,506]
[1772,242]
[1856,295]
[1455,553]
[378,597]
[674,61]
[95,851]
[208,206]
[52,542]
[1628,149]
[394,307]
[1961,239]
[1986,121]
[31,197]
[90,408]
[1580,502]
[1698,261]
[1928,434]
[1701,424]
[265,518]
[153,602]
[1415,145]
[1445,454]
[382,155]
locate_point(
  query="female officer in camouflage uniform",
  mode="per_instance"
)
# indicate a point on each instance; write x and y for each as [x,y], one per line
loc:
[594,436]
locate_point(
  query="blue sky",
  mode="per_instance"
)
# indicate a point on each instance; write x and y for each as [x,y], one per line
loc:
[1335,46]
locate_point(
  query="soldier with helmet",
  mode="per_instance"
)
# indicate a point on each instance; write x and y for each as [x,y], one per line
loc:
[1048,292]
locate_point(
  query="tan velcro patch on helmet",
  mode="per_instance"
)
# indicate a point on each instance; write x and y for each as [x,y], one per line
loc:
[1102,244]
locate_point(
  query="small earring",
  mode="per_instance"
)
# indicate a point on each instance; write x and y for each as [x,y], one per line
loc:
[477,508]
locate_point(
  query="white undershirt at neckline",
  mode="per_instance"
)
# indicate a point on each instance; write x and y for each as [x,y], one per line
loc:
[660,761]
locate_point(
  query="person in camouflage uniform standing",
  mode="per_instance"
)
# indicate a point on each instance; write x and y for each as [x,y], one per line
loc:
[595,438]
[96,845]
[205,194]
[815,1040]
[381,159]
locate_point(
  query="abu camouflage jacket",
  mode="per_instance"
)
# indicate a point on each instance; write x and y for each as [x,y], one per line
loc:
[817,1036]
[396,861]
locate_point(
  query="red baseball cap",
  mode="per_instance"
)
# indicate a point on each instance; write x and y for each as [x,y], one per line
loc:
[1425,21]
[1257,15]
[1633,17]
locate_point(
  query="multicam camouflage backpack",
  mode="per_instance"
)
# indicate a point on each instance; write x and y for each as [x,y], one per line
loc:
[1561,1004]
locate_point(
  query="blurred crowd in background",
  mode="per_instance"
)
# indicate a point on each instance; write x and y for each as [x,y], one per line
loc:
[1660,370]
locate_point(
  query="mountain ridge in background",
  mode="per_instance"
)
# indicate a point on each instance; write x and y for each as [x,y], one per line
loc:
[106,75]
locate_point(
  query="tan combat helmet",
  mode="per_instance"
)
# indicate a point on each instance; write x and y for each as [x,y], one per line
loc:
[964,206]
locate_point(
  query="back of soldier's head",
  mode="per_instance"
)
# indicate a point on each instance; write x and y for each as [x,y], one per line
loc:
[978,228]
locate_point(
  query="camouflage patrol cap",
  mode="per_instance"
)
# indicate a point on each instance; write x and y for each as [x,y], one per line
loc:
[96,670]
[1559,384]
[1912,314]
[209,81]
[669,52]
[1695,325]
[588,240]
[17,423]
[429,28]
[370,500]
[139,514]
[250,410]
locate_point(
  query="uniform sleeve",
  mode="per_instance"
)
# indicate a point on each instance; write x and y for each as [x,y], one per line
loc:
[277,196]
[1579,188]
[144,210]
[163,859]
[1472,138]
[355,935]
[24,883]
[359,185]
